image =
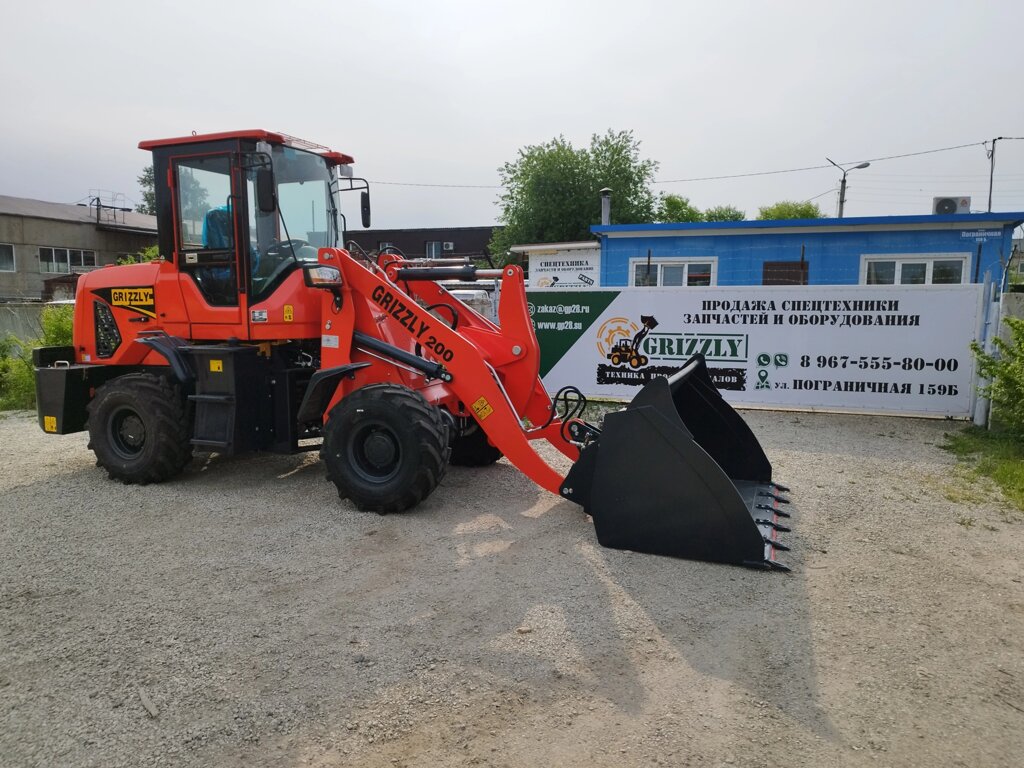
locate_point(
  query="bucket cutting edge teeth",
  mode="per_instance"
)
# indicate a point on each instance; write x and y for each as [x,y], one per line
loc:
[774,525]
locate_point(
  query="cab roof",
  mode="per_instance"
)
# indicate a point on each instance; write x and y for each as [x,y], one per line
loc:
[333,158]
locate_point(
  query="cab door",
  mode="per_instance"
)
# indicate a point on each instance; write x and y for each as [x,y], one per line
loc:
[205,191]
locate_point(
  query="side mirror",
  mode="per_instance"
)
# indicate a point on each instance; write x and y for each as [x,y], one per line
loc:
[266,198]
[321,276]
[364,202]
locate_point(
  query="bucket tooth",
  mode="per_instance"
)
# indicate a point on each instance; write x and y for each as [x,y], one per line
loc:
[775,526]
[780,488]
[773,509]
[679,473]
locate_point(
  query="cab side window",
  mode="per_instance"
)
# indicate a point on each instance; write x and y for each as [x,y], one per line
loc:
[206,228]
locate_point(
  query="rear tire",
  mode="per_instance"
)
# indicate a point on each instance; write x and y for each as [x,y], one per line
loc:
[385,447]
[471,449]
[139,430]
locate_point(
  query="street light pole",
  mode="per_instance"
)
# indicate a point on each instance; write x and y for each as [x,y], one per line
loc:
[992,169]
[842,184]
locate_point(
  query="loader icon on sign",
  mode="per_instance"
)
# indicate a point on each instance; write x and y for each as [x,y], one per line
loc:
[628,350]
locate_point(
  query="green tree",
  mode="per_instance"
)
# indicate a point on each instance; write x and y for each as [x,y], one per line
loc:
[674,208]
[724,213]
[149,253]
[146,183]
[790,209]
[552,190]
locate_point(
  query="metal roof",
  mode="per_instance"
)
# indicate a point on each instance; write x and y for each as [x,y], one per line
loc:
[957,220]
[333,158]
[79,214]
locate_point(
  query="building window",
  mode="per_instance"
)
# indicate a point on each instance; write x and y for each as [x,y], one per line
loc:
[6,257]
[914,269]
[65,259]
[432,249]
[675,273]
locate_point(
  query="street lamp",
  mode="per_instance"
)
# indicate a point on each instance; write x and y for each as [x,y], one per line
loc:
[842,184]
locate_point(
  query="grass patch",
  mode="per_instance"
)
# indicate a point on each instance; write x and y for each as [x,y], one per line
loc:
[996,455]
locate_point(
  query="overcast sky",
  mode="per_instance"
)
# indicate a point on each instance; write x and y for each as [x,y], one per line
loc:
[446,92]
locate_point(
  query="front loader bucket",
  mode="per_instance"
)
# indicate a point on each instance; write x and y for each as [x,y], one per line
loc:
[679,473]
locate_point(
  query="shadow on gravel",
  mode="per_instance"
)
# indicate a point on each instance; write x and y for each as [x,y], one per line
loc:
[751,628]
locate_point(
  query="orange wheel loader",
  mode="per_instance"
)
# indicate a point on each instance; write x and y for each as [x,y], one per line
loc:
[256,330]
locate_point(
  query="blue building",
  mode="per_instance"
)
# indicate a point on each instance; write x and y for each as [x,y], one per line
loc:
[877,250]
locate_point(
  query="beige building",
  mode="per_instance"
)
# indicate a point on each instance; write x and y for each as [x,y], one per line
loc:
[45,246]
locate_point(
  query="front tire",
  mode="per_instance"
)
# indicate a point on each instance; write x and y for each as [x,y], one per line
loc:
[385,447]
[138,429]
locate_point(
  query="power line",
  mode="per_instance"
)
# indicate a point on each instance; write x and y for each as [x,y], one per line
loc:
[820,194]
[713,178]
[445,186]
[819,167]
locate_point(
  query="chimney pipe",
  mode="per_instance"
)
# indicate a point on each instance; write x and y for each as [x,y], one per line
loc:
[606,206]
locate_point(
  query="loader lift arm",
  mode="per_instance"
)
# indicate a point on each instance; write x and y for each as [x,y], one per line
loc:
[501,408]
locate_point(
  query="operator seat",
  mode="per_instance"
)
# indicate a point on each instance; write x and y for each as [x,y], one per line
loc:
[217,282]
[217,228]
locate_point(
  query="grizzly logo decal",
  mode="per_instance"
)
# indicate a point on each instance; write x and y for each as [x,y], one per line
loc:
[137,299]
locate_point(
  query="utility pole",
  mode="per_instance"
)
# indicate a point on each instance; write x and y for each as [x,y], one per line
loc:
[992,162]
[842,184]
[992,169]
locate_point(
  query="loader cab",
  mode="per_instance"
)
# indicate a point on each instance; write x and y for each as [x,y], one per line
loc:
[237,215]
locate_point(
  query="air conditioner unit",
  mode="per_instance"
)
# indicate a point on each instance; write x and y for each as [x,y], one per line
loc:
[448,247]
[944,206]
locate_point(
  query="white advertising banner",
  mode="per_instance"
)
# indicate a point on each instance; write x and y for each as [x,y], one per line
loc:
[559,270]
[883,349]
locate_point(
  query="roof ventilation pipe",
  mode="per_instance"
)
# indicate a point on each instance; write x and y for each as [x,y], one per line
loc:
[606,207]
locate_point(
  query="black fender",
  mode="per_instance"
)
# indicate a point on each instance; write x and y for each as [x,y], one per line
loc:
[170,348]
[320,390]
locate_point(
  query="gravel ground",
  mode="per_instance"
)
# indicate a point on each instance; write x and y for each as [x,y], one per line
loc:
[243,616]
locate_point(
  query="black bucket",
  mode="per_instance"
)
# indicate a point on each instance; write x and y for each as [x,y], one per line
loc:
[679,473]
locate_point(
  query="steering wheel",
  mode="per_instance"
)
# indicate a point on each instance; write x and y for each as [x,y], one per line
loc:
[280,245]
[278,256]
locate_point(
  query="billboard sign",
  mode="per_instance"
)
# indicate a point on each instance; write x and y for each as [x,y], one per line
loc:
[887,349]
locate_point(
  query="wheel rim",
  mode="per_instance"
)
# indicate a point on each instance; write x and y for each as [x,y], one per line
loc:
[375,453]
[127,433]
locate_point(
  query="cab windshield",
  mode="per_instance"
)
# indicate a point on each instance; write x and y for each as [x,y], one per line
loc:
[306,219]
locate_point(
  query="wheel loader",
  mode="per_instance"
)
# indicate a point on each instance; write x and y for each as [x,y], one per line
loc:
[257,330]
